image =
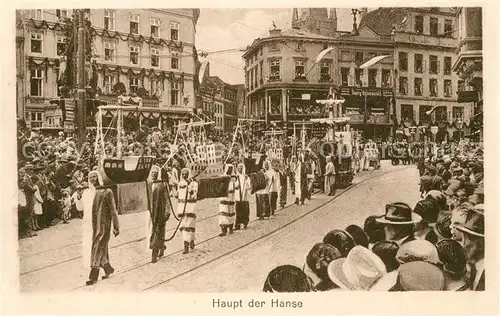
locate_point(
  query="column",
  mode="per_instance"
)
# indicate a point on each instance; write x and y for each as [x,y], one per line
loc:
[267,104]
[284,108]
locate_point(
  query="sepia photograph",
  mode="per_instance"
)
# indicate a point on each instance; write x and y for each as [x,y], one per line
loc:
[273,150]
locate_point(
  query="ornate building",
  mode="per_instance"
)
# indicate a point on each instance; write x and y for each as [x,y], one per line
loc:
[469,64]
[148,53]
[424,40]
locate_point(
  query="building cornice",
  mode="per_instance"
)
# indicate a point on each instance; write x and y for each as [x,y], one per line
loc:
[474,55]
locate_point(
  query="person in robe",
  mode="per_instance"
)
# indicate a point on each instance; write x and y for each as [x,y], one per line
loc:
[283,186]
[187,196]
[103,214]
[226,205]
[159,214]
[273,185]
[262,202]
[242,189]
[291,170]
[329,177]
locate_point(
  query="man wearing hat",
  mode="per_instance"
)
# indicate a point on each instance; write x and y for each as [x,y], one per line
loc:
[430,181]
[399,220]
[473,244]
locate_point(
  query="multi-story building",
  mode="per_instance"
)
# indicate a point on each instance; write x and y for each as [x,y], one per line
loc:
[144,52]
[219,101]
[425,40]
[469,64]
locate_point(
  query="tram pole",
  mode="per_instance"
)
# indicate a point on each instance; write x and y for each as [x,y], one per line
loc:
[81,93]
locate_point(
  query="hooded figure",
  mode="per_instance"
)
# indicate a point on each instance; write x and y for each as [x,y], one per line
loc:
[103,214]
[262,202]
[226,204]
[159,213]
[242,187]
[187,196]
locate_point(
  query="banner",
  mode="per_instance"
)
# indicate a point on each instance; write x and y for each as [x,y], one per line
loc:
[213,187]
[434,129]
[319,130]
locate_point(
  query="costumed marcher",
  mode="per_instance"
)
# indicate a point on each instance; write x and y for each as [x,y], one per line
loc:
[226,205]
[311,173]
[77,201]
[274,185]
[242,189]
[187,196]
[159,213]
[283,175]
[262,203]
[301,181]
[103,214]
[291,172]
[329,177]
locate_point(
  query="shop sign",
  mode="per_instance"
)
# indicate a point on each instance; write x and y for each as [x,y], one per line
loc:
[345,91]
[372,92]
[319,130]
[357,91]
[387,93]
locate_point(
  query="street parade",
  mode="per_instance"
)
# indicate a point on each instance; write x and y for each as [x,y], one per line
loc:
[179,181]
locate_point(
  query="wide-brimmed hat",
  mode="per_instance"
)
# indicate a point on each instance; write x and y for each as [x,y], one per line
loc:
[412,276]
[399,214]
[417,250]
[359,271]
[474,223]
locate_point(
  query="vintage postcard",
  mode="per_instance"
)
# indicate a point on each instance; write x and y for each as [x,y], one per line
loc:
[228,159]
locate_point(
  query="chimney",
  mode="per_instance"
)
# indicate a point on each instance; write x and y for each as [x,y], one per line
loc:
[362,13]
[295,18]
[275,32]
[333,18]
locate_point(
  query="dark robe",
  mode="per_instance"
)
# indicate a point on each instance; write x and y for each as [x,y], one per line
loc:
[103,213]
[160,207]
[284,188]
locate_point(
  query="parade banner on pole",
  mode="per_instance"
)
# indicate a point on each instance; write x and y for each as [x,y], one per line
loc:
[434,130]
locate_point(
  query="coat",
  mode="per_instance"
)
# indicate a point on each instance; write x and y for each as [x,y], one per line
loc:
[103,214]
[160,211]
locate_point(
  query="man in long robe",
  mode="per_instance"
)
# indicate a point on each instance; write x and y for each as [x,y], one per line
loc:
[160,213]
[329,177]
[103,214]
[226,205]
[187,196]
[274,186]
[262,201]
[242,189]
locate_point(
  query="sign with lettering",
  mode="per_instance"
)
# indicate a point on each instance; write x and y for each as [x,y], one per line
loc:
[69,107]
[319,130]
[357,91]
[345,91]
[213,187]
[387,93]
[372,92]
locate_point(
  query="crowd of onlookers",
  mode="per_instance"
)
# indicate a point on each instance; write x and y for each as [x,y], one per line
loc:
[436,245]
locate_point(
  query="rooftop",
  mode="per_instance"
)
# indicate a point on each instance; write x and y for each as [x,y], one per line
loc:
[382,19]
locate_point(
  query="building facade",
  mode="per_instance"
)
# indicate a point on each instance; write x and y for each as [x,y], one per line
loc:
[425,40]
[469,64]
[219,101]
[145,52]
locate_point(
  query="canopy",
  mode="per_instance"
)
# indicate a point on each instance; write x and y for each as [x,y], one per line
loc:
[330,102]
[373,61]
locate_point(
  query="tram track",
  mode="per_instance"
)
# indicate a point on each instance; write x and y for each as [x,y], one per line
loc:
[140,265]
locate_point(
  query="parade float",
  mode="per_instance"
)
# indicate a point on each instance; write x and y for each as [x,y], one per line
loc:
[338,140]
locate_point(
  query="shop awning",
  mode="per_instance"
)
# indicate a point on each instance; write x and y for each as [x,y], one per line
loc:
[467,96]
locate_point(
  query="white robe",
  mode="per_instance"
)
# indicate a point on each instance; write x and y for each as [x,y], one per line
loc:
[88,200]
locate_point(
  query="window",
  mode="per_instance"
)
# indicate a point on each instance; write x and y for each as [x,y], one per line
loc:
[155,57]
[358,77]
[155,27]
[36,118]
[458,113]
[62,14]
[418,86]
[37,14]
[61,45]
[372,78]
[434,27]
[461,85]
[403,61]
[403,85]
[174,93]
[447,88]
[386,78]
[447,65]
[325,71]
[441,114]
[419,63]
[109,20]
[433,87]
[261,66]
[424,117]
[36,83]
[36,43]
[134,24]
[407,112]
[174,31]
[109,51]
[275,102]
[300,46]
[358,57]
[448,28]
[174,61]
[434,65]
[108,83]
[274,70]
[419,24]
[134,55]
[345,76]
[133,83]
